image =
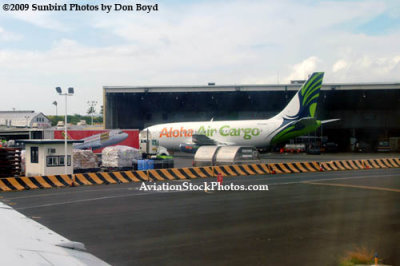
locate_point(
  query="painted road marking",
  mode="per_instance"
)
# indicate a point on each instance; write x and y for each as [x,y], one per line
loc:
[353,186]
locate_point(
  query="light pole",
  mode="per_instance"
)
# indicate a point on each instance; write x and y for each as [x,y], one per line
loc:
[69,93]
[92,106]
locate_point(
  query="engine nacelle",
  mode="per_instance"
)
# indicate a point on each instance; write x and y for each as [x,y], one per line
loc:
[188,148]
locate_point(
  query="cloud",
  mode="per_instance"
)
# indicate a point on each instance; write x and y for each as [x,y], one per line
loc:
[366,69]
[340,65]
[9,36]
[227,42]
[304,68]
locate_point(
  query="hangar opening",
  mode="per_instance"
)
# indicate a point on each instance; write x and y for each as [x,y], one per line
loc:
[369,112]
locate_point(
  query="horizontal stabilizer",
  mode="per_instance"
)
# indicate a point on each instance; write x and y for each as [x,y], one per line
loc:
[329,121]
[304,122]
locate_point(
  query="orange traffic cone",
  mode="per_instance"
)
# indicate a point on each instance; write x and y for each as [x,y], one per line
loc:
[219,178]
[272,169]
[73,181]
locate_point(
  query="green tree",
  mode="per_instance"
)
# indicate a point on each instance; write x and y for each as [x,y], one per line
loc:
[74,119]
[91,110]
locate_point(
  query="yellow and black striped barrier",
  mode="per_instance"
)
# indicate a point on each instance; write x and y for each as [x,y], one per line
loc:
[57,181]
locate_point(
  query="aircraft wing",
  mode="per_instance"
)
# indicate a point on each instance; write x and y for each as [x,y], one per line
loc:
[26,242]
[202,140]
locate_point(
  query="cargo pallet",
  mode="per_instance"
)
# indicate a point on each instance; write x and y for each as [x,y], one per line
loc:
[10,162]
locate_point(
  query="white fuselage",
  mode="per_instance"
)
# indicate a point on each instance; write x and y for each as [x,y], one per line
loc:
[256,133]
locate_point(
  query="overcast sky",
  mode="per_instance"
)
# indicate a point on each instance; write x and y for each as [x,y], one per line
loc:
[192,43]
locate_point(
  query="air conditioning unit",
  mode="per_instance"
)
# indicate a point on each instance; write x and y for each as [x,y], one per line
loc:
[51,151]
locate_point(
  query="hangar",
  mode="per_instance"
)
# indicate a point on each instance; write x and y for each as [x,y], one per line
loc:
[369,112]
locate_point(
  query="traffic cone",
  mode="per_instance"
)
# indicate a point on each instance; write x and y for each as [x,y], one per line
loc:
[73,181]
[219,178]
[365,165]
[321,169]
[376,258]
[272,170]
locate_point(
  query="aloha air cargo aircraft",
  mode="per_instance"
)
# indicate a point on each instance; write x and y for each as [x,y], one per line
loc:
[296,119]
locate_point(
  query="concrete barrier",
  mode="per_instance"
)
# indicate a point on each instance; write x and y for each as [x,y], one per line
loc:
[87,179]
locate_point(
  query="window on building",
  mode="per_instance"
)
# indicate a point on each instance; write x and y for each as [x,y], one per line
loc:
[34,154]
[61,160]
[52,161]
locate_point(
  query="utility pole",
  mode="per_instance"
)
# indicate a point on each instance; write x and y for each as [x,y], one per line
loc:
[92,107]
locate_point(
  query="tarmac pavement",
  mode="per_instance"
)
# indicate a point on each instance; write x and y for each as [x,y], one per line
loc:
[303,219]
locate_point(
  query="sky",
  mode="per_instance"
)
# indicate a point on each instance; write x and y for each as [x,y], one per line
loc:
[190,43]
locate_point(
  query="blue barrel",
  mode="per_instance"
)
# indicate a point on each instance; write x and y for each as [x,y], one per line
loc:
[150,164]
[142,165]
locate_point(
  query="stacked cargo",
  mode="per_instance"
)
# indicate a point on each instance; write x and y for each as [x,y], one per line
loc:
[120,157]
[85,161]
[10,162]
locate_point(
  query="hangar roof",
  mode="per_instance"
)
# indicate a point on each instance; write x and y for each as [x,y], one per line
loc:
[280,87]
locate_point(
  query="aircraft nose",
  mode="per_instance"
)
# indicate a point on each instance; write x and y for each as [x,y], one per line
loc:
[123,136]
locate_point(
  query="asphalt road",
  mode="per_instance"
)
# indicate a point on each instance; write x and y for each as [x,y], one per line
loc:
[304,219]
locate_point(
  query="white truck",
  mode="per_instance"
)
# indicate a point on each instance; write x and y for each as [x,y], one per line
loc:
[151,147]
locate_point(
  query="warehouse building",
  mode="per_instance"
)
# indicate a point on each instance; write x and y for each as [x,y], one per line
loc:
[23,125]
[369,112]
[27,119]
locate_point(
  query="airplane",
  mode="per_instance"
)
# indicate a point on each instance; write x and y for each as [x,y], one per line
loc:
[101,140]
[296,119]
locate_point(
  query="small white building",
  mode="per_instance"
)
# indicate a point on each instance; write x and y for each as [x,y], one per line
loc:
[46,157]
[28,119]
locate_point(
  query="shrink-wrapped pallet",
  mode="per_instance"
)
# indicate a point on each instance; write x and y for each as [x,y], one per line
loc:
[85,159]
[23,161]
[119,156]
